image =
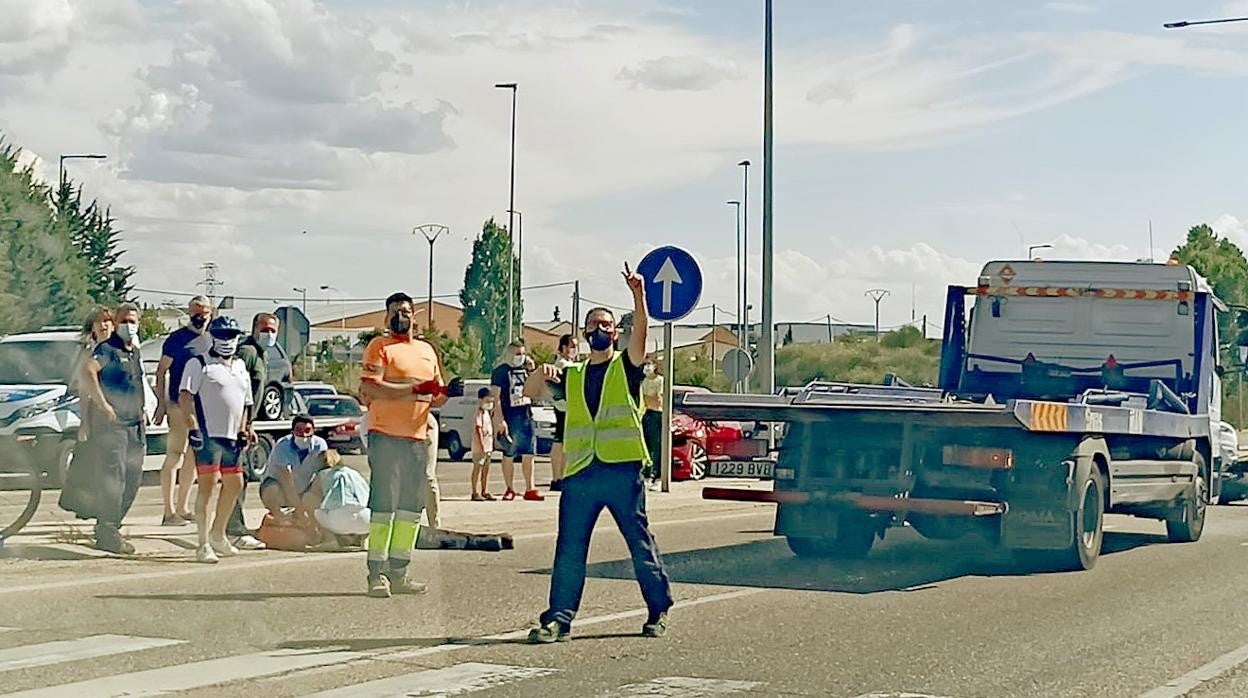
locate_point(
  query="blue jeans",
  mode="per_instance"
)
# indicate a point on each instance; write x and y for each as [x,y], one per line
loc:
[620,490]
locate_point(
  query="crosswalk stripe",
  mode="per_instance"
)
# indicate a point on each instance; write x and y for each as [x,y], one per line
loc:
[46,653]
[457,680]
[184,677]
[683,687]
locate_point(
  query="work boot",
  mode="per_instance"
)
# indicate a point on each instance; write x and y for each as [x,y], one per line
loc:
[656,626]
[549,632]
[403,585]
[378,586]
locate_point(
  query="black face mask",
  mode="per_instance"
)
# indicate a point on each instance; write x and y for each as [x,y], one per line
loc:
[400,325]
[198,321]
[599,339]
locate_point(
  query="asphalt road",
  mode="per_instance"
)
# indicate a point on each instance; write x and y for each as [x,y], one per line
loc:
[937,619]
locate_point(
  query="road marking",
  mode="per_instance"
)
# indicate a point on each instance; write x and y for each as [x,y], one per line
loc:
[457,680]
[683,687]
[46,653]
[185,677]
[1188,682]
[234,567]
[903,694]
[401,655]
[211,672]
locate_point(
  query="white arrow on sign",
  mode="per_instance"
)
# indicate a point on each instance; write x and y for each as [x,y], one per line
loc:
[667,276]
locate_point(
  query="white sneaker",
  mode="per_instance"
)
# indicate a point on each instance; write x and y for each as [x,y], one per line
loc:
[222,547]
[248,543]
[654,486]
[205,554]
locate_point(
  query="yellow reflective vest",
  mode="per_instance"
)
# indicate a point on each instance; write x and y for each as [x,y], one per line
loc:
[613,435]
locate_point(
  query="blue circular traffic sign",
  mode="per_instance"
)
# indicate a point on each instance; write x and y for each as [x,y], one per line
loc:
[673,283]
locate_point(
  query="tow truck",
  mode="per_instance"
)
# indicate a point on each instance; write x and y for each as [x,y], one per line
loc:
[1067,390]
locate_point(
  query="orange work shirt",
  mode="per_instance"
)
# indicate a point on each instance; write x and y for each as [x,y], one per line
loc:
[401,361]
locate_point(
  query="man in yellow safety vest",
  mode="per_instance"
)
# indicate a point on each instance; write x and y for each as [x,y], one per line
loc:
[604,455]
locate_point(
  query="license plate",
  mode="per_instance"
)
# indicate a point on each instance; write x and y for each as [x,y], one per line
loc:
[741,468]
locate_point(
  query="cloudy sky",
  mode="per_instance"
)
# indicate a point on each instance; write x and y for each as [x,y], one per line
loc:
[915,139]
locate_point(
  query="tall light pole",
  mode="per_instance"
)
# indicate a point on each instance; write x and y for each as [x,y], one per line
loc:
[304,291]
[60,179]
[511,205]
[740,300]
[431,231]
[877,295]
[342,304]
[767,352]
[745,256]
[1032,248]
[519,260]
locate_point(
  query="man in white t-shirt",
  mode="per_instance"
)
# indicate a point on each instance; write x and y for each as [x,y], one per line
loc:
[215,394]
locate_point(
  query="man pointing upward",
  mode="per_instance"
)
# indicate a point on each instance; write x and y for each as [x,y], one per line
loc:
[605,452]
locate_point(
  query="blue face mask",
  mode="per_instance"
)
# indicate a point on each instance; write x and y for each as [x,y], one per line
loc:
[600,340]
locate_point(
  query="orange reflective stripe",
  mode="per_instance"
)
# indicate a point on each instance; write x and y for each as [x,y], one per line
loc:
[1067,292]
[1048,416]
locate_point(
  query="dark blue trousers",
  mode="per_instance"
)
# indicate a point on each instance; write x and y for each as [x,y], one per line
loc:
[620,490]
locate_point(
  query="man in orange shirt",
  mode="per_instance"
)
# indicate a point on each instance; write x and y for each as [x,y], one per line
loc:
[401,382]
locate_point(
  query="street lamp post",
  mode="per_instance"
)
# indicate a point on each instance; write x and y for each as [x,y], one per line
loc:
[877,295]
[519,258]
[1031,249]
[1180,25]
[60,179]
[304,291]
[745,260]
[511,205]
[431,231]
[767,350]
[740,301]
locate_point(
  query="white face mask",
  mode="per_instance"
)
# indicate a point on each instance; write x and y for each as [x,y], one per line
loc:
[517,360]
[225,347]
[129,332]
[648,369]
[488,406]
[268,339]
[303,443]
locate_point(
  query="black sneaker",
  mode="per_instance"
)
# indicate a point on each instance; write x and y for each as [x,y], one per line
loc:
[549,632]
[656,626]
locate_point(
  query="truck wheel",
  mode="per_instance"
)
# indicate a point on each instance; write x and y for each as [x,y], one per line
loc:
[853,541]
[1189,519]
[1085,548]
[454,447]
[271,404]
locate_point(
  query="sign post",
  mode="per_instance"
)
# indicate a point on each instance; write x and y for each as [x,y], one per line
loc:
[673,286]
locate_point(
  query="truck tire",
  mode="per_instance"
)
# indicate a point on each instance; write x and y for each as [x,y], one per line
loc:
[1089,529]
[454,447]
[271,404]
[1188,520]
[853,541]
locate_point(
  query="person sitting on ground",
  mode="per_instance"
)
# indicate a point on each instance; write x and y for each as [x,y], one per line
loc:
[482,445]
[343,514]
[291,470]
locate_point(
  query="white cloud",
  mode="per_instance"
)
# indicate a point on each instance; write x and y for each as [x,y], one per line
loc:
[693,73]
[261,94]
[1232,228]
[1077,8]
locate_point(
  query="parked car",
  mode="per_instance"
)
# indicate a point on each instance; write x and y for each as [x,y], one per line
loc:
[696,442]
[310,389]
[348,437]
[276,389]
[1234,473]
[455,422]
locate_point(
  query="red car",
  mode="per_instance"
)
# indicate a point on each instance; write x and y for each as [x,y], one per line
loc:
[695,442]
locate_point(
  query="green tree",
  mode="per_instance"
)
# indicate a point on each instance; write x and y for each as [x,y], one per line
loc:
[44,278]
[150,325]
[484,296]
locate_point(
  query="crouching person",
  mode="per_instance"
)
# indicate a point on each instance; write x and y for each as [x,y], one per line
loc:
[343,514]
[286,488]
